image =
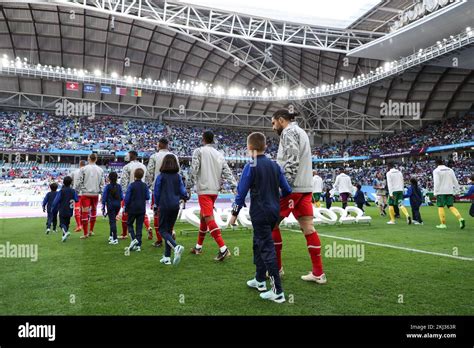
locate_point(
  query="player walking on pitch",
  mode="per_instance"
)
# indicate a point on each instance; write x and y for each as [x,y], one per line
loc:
[395,193]
[152,172]
[207,168]
[317,189]
[90,185]
[445,186]
[77,205]
[294,156]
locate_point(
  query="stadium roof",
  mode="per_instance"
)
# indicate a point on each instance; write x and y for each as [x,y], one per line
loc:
[49,35]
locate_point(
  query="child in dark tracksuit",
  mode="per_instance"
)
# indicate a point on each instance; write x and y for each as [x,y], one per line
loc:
[470,194]
[64,204]
[111,199]
[416,199]
[168,191]
[264,178]
[359,198]
[47,207]
[328,198]
[135,206]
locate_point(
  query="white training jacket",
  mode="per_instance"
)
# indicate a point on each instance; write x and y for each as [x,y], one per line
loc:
[445,182]
[91,180]
[128,174]
[208,167]
[75,178]
[294,156]
[154,166]
[394,181]
[317,184]
[343,183]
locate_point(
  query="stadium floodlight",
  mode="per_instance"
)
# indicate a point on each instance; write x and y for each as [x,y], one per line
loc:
[114,75]
[282,92]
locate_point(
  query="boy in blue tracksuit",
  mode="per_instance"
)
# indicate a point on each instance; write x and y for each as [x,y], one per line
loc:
[47,207]
[168,191]
[263,178]
[111,199]
[470,194]
[359,198]
[416,199]
[135,206]
[64,204]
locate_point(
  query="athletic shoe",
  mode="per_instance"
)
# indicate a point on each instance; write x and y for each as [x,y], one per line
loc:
[409,221]
[390,222]
[150,233]
[165,260]
[442,226]
[83,237]
[137,248]
[65,235]
[91,234]
[110,238]
[48,230]
[310,277]
[158,244]
[113,242]
[416,222]
[78,229]
[132,244]
[222,255]
[196,251]
[462,223]
[54,231]
[270,295]
[260,286]
[178,250]
[397,216]
[123,237]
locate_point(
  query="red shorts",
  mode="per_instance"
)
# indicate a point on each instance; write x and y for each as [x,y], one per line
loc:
[89,201]
[297,203]
[206,202]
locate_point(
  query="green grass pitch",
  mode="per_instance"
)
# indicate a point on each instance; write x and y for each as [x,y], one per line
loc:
[89,277]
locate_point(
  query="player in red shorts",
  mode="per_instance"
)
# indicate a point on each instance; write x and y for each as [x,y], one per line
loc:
[207,169]
[77,205]
[90,185]
[294,156]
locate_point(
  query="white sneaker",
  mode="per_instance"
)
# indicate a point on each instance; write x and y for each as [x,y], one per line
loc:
[390,222]
[111,238]
[270,295]
[47,231]
[137,249]
[416,222]
[260,286]
[178,250]
[165,260]
[65,235]
[310,277]
[113,241]
[54,231]
[132,245]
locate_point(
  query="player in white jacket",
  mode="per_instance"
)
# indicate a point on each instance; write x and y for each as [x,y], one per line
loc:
[128,177]
[208,168]
[445,187]
[89,186]
[395,185]
[317,189]
[152,171]
[343,185]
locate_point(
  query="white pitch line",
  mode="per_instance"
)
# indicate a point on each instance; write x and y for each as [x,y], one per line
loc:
[399,247]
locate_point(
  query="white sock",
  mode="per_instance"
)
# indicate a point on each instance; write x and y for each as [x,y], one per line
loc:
[198,246]
[223,248]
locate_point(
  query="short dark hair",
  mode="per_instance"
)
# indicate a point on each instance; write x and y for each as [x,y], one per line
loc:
[163,141]
[472,177]
[391,165]
[257,140]
[169,165]
[286,114]
[358,186]
[93,157]
[208,137]
[113,177]
[139,173]
[413,181]
[439,162]
[67,181]
[53,186]
[133,154]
